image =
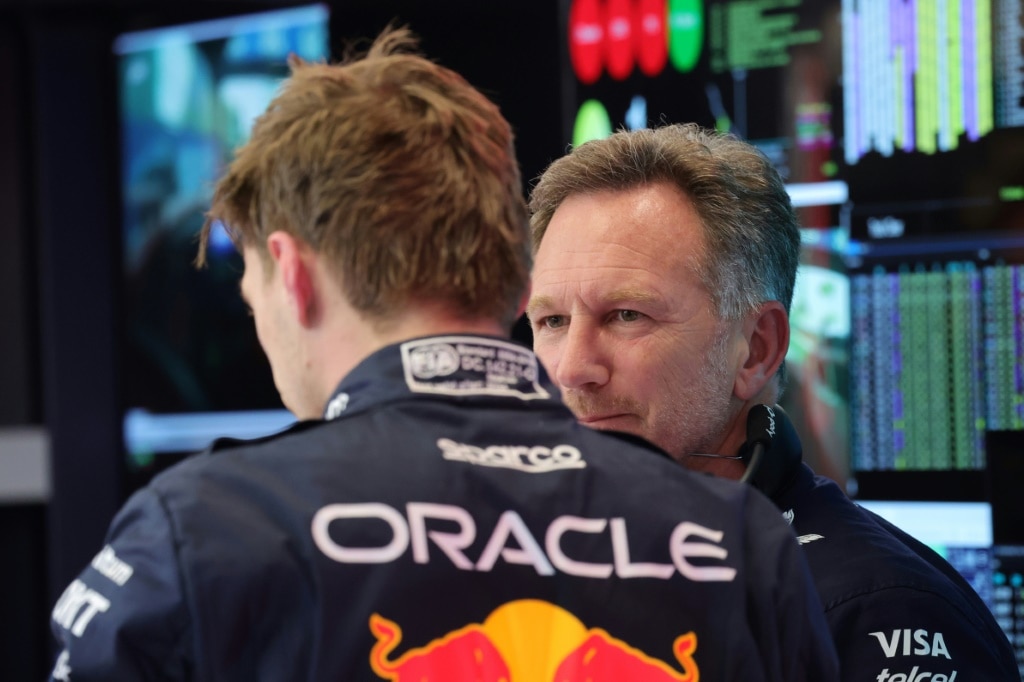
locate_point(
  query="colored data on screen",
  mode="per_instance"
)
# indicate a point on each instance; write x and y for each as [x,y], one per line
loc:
[898,128]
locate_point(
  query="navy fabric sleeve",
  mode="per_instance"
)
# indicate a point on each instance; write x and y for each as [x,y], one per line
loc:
[791,630]
[902,634]
[124,617]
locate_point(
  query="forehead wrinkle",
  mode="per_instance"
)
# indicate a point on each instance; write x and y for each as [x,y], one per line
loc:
[626,250]
[594,278]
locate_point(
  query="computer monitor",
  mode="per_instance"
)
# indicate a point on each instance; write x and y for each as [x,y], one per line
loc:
[188,94]
[898,130]
[964,533]
[960,532]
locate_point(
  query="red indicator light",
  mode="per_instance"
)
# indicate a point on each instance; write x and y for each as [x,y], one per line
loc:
[619,38]
[587,39]
[651,36]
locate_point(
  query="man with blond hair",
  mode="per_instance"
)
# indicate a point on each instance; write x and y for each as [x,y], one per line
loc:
[436,513]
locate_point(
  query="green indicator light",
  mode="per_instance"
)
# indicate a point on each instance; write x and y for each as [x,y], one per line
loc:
[1013,193]
[829,169]
[592,123]
[685,33]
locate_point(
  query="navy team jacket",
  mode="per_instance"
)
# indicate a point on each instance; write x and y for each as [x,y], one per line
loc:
[897,610]
[448,519]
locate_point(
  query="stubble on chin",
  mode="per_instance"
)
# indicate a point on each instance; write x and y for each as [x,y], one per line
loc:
[584,404]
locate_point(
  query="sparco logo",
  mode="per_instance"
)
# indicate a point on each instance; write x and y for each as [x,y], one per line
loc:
[435,360]
[535,459]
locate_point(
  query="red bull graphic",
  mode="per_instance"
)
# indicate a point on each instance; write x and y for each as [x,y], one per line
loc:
[602,658]
[466,654]
[526,640]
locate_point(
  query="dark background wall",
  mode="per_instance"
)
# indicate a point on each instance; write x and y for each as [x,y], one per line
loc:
[59,314]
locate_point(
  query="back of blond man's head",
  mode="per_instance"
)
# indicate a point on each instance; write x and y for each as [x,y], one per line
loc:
[398,172]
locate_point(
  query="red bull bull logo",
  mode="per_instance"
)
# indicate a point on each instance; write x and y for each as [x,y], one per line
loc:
[523,641]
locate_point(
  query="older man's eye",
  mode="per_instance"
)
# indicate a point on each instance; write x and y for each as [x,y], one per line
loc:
[553,321]
[628,315]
